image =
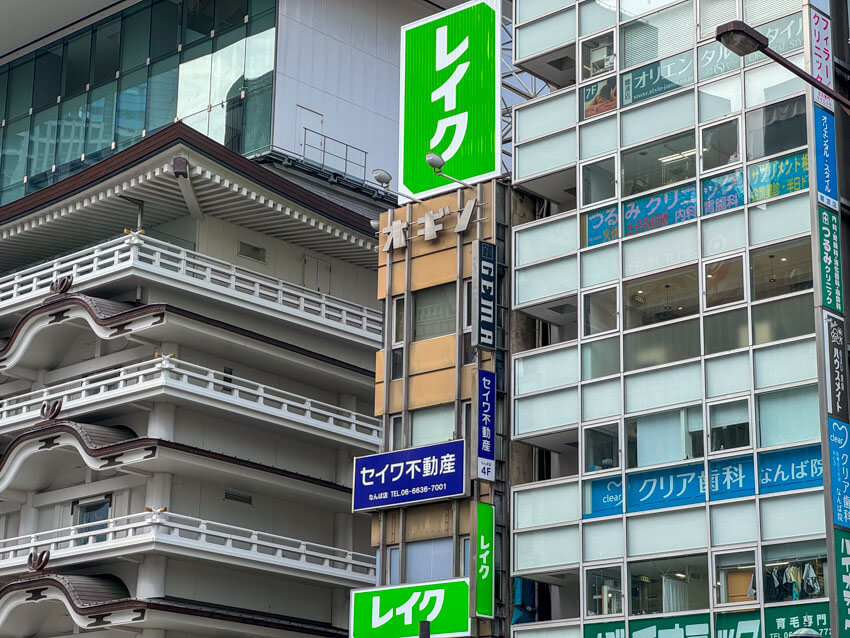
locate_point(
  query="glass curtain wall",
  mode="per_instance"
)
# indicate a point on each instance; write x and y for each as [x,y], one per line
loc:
[97,91]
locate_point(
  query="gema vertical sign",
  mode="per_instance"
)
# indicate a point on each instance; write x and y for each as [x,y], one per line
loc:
[450,97]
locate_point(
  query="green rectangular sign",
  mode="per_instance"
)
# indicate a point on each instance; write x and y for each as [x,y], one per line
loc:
[740,624]
[485,564]
[694,626]
[450,97]
[395,612]
[605,630]
[781,622]
[842,578]
[830,259]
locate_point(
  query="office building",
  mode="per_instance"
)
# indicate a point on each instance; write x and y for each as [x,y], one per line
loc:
[683,273]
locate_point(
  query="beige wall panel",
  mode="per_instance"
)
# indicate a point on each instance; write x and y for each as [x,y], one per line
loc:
[431,388]
[433,269]
[428,521]
[465,516]
[467,381]
[395,397]
[379,366]
[433,354]
[379,399]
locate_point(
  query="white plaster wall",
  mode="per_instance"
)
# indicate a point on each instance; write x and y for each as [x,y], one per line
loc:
[340,58]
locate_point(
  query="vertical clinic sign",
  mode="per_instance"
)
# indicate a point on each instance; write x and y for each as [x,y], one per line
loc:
[450,97]
[821,61]
[484,568]
[485,432]
[484,294]
[829,234]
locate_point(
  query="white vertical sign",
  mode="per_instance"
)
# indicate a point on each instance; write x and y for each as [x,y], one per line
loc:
[820,40]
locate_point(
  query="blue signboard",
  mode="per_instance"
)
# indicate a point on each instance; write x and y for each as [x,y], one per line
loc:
[731,478]
[409,476]
[839,469]
[601,226]
[659,210]
[778,176]
[670,487]
[827,166]
[723,192]
[657,78]
[484,301]
[606,497]
[486,425]
[794,469]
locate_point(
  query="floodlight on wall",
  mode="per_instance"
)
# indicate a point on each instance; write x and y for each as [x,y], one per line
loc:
[384,178]
[437,162]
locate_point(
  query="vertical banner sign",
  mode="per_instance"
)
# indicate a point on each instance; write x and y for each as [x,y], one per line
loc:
[395,612]
[486,409]
[484,295]
[821,43]
[839,471]
[485,562]
[450,97]
[836,366]
[826,158]
[842,558]
[830,260]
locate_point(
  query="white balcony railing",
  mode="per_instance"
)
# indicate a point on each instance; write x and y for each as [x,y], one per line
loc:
[226,543]
[137,254]
[210,387]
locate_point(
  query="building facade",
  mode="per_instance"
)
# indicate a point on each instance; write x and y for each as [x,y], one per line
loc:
[670,399]
[189,312]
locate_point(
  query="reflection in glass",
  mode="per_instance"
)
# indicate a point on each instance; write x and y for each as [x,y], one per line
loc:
[724,282]
[600,311]
[658,163]
[720,145]
[776,128]
[598,181]
[725,331]
[597,55]
[662,297]
[781,268]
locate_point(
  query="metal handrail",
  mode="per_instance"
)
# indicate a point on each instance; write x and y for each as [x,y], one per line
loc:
[347,149]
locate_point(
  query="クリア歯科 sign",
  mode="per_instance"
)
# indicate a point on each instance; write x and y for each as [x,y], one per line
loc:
[450,101]
[395,612]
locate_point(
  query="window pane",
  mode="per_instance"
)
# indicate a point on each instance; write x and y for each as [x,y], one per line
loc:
[733,523]
[598,266]
[667,531]
[554,237]
[546,280]
[135,36]
[735,577]
[546,154]
[725,375]
[657,118]
[432,425]
[665,437]
[661,345]
[604,591]
[229,13]
[660,250]
[658,163]
[806,510]
[597,56]
[719,98]
[785,363]
[783,319]
[601,448]
[42,147]
[15,150]
[603,540]
[808,556]
[788,416]
[101,122]
[199,20]
[48,73]
[729,425]
[546,548]
[556,29]
[713,13]
[771,82]
[598,137]
[598,181]
[72,130]
[715,59]
[194,80]
[594,16]
[75,73]
[724,282]
[779,218]
[722,193]
[228,66]
[667,386]
[162,93]
[657,78]
[545,411]
[258,118]
[657,586]
[434,312]
[20,89]
[657,35]
[165,27]
[533,507]
[600,311]
[600,358]
[630,8]
[662,297]
[600,400]
[722,234]
[781,268]
[758,11]
[131,107]
[428,560]
[259,52]
[107,46]
[530,9]
[783,35]
[720,145]
[776,128]
[546,370]
[726,331]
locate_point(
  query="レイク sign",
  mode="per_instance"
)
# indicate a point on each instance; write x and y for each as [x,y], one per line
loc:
[395,612]
[410,476]
[485,561]
[450,97]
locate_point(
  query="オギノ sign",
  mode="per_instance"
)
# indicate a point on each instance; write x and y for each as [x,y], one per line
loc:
[395,612]
[410,476]
[450,97]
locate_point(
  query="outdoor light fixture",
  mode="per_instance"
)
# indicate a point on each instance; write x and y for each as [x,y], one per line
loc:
[437,162]
[384,178]
[740,38]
